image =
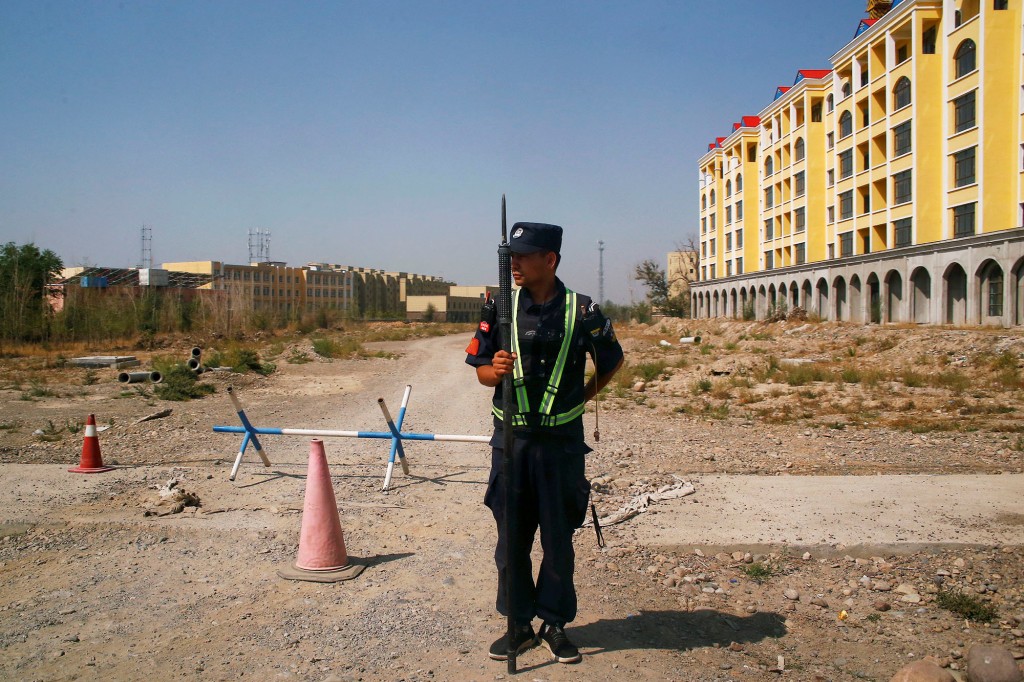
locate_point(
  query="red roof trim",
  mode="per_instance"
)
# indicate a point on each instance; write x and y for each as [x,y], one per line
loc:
[751,121]
[815,73]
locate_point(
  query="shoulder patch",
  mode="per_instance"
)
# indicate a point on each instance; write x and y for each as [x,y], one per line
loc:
[474,346]
[485,326]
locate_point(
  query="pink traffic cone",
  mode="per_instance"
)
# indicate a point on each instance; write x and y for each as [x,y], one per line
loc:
[322,556]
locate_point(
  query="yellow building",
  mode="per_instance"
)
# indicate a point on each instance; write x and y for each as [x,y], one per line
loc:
[270,286]
[681,272]
[887,188]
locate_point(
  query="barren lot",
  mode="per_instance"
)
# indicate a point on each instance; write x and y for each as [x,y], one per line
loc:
[838,469]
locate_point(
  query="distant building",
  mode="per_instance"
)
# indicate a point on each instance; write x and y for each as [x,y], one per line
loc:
[682,270]
[443,308]
[887,188]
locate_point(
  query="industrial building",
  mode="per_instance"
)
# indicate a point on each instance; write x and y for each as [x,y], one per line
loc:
[887,188]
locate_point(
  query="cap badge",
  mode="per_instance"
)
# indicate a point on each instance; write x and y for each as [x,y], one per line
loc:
[518,233]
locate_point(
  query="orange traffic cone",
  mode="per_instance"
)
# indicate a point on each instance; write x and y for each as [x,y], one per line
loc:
[91,461]
[322,556]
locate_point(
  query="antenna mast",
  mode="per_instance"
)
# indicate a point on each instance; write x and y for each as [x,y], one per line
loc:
[147,247]
[600,272]
[259,245]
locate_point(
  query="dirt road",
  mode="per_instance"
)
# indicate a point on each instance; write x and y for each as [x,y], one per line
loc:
[95,590]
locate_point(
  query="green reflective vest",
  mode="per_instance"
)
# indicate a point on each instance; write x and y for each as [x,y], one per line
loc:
[547,403]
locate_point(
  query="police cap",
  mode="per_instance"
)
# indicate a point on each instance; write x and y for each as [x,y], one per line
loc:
[534,237]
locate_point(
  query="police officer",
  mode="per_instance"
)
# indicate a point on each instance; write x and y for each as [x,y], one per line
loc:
[554,329]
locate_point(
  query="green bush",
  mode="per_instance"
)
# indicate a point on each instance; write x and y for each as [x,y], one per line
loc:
[180,384]
[966,605]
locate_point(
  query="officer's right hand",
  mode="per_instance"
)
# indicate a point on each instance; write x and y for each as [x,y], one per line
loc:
[503,362]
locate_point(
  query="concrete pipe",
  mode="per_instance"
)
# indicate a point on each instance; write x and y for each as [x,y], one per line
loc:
[194,364]
[196,352]
[156,377]
[133,377]
[690,339]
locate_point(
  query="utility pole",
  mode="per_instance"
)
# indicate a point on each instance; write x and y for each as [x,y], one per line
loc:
[600,272]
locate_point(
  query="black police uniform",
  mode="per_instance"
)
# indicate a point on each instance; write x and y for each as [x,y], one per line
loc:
[549,468]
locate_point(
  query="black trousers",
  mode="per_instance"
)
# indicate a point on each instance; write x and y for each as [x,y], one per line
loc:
[552,492]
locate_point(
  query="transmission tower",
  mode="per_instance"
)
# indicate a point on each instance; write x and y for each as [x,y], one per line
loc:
[147,247]
[600,272]
[259,245]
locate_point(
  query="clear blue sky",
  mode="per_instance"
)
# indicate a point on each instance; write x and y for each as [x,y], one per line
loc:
[382,133]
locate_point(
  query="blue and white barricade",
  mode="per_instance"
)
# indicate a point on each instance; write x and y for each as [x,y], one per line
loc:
[394,433]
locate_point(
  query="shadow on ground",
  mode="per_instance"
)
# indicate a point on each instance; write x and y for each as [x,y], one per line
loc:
[679,630]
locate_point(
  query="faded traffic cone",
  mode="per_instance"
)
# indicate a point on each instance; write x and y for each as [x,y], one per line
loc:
[91,461]
[322,556]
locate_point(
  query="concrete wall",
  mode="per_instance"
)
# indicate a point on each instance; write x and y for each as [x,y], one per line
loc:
[969,281]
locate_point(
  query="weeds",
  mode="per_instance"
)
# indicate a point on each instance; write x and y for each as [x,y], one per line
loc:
[180,384]
[298,357]
[952,380]
[89,378]
[966,605]
[12,425]
[912,379]
[701,386]
[758,571]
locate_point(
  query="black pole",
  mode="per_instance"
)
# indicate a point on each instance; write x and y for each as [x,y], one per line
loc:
[508,404]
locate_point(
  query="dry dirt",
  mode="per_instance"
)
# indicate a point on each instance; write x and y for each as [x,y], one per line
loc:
[827,518]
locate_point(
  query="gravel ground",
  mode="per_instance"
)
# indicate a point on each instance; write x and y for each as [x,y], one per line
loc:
[702,587]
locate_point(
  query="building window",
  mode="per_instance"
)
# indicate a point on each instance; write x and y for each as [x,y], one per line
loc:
[800,219]
[845,124]
[798,149]
[800,182]
[846,205]
[739,210]
[801,253]
[712,272]
[713,222]
[831,251]
[712,197]
[865,200]
[830,103]
[830,213]
[995,294]
[965,58]
[845,244]
[712,247]
[963,108]
[703,225]
[704,203]
[816,113]
[963,164]
[739,239]
[739,183]
[902,53]
[769,229]
[928,40]
[728,188]
[901,188]
[901,93]
[845,164]
[728,215]
[901,141]
[847,89]
[769,167]
[769,197]
[739,266]
[728,268]
[728,242]
[963,220]
[1000,4]
[902,229]
[769,260]
[830,140]
[831,175]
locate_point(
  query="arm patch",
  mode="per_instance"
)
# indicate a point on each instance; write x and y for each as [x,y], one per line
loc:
[474,346]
